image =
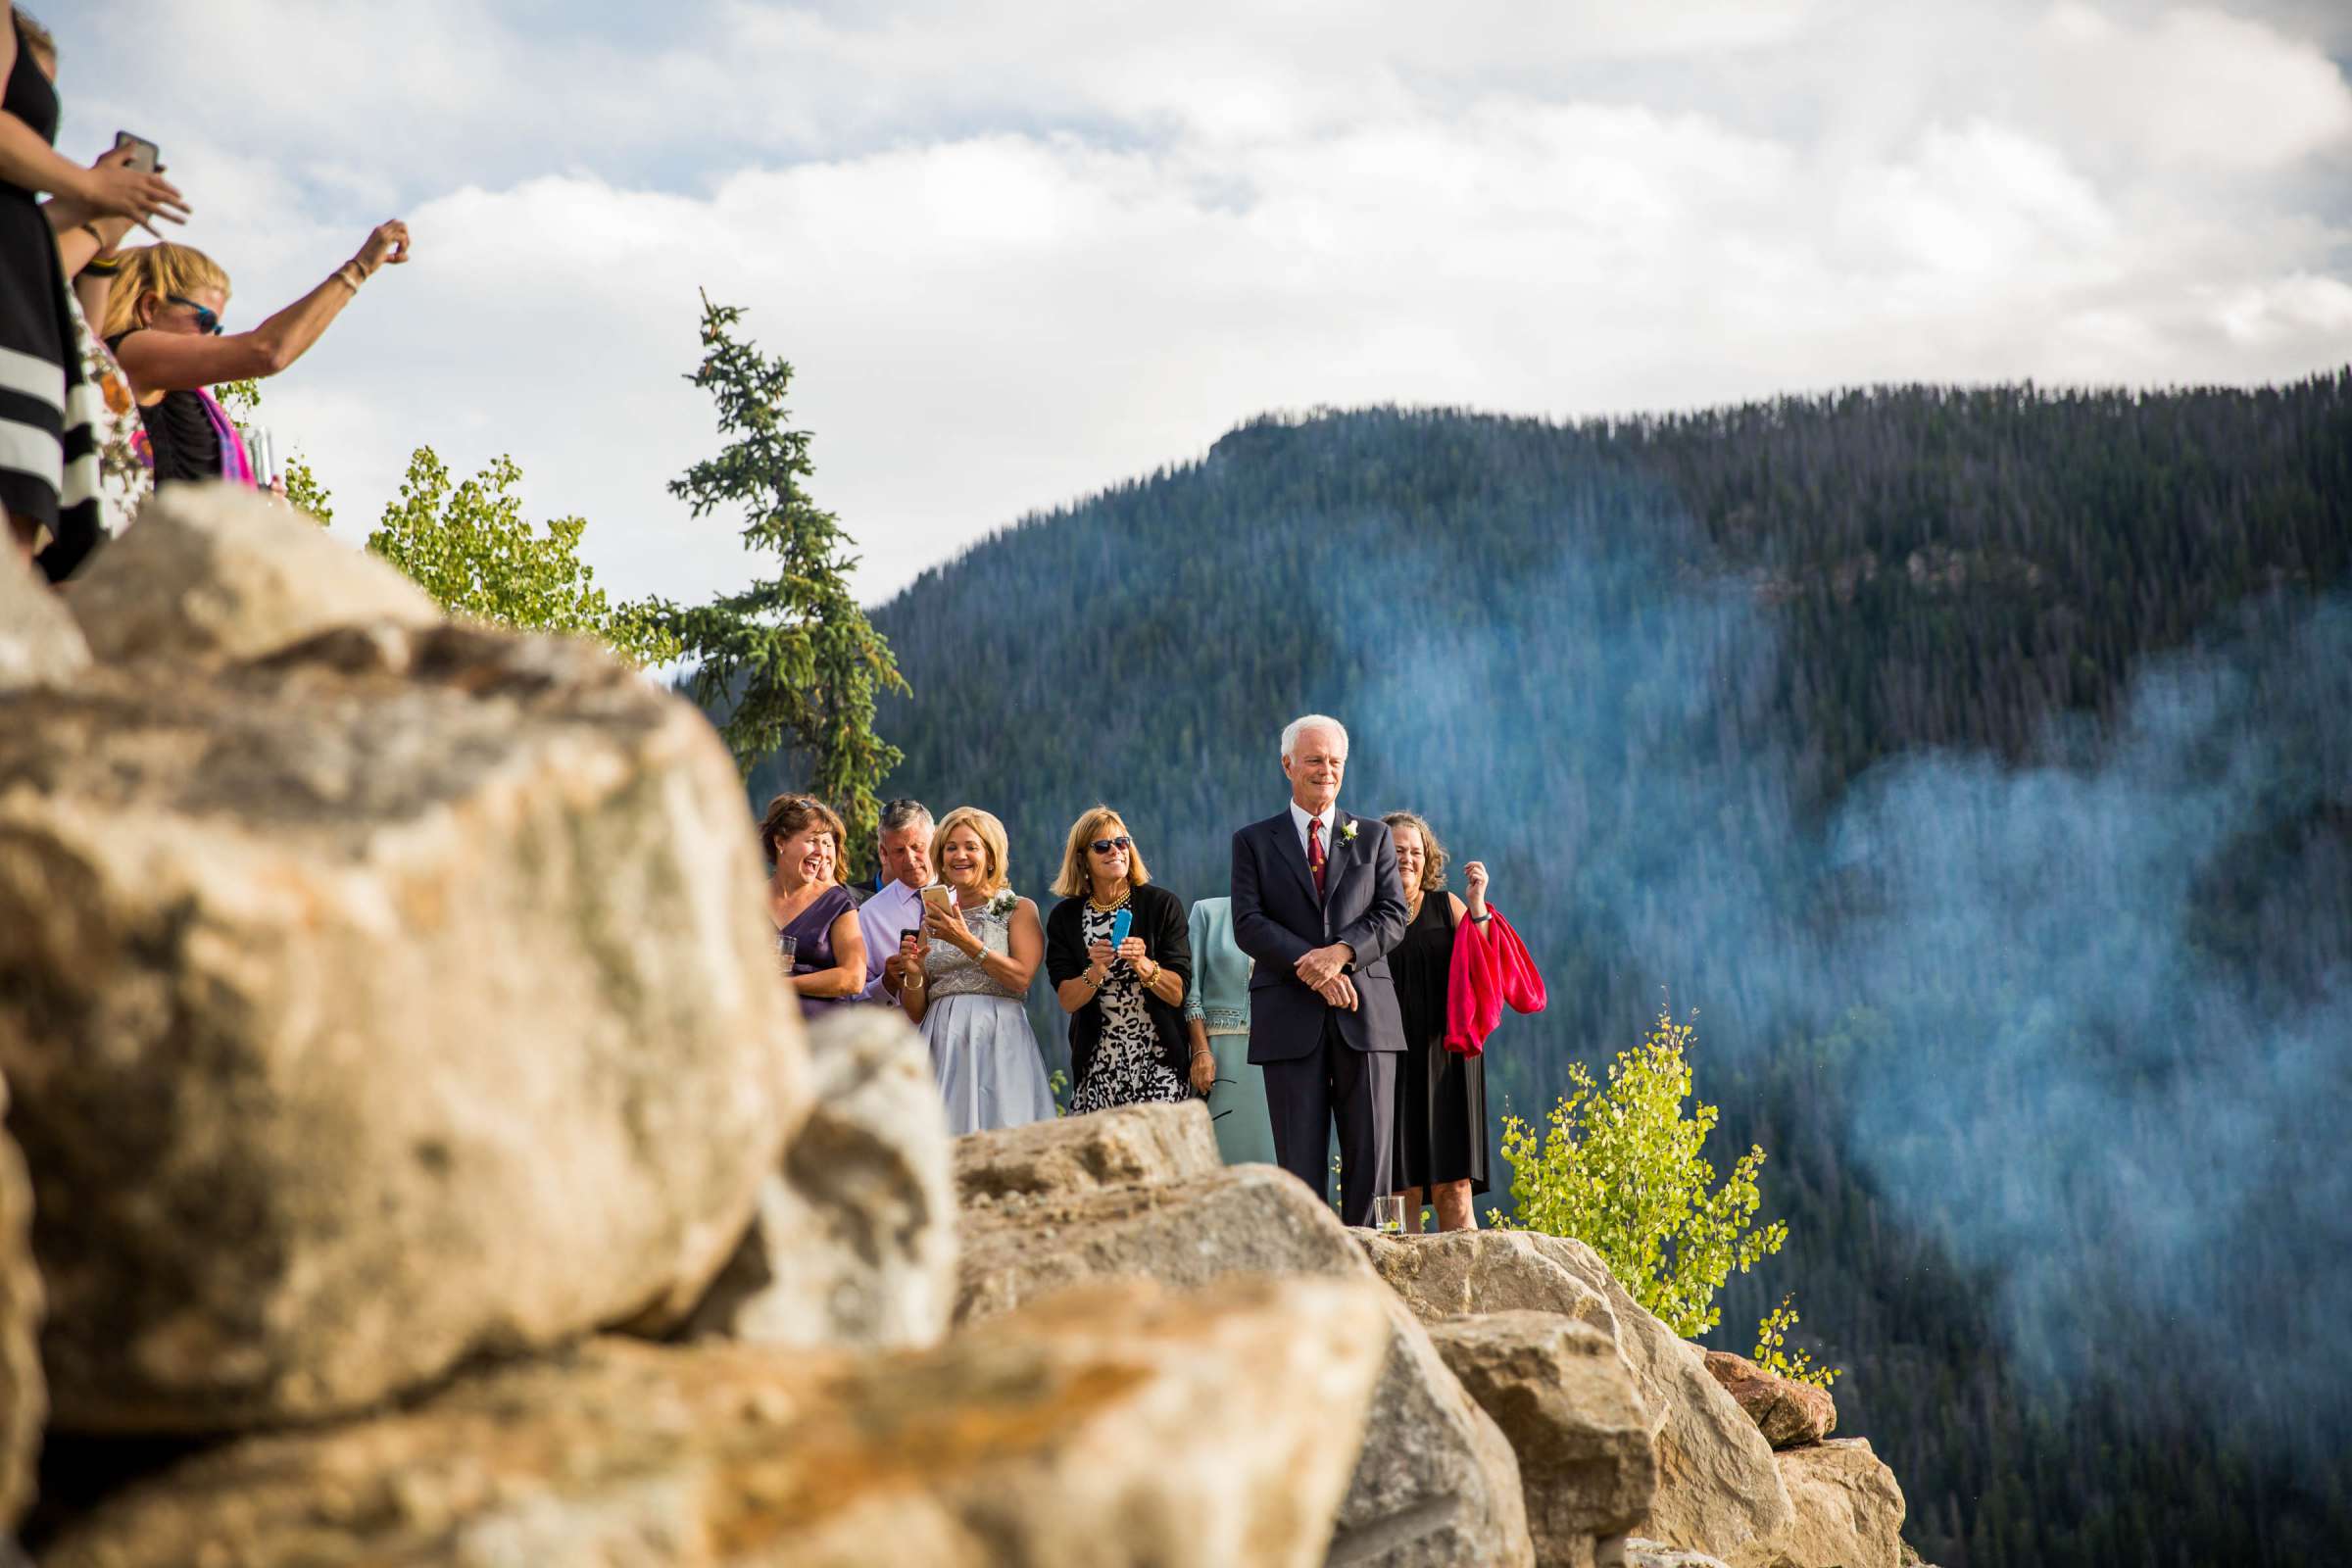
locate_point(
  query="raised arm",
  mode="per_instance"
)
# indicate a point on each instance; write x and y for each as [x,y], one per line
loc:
[1255,932]
[178,362]
[27,160]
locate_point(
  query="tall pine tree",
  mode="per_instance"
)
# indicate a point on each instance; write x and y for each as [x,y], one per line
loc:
[791,660]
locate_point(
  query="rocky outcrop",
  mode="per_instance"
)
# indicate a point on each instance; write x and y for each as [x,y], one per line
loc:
[1718,1491]
[854,1240]
[1435,1482]
[394,999]
[39,643]
[1640,1554]
[24,1393]
[1241,1219]
[1566,1403]
[1128,1147]
[215,572]
[1788,1412]
[1849,1510]
[1454,1272]
[1113,1425]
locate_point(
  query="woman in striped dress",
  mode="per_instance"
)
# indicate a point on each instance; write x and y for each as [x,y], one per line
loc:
[48,455]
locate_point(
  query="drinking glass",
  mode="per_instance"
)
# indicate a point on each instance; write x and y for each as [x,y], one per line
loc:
[1388,1214]
[788,950]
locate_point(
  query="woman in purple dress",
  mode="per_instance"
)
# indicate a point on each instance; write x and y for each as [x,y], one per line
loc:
[812,910]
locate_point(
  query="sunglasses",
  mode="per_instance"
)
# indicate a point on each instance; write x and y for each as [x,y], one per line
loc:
[1105,846]
[207,319]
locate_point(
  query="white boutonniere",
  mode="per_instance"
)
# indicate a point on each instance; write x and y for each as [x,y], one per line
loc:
[1348,832]
[1002,905]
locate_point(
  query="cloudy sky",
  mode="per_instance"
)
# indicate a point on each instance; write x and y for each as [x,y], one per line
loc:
[1016,253]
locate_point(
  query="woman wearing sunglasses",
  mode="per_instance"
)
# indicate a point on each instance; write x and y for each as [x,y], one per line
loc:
[1125,999]
[162,325]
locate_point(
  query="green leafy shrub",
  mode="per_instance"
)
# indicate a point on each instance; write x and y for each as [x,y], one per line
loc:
[1771,1338]
[1621,1168]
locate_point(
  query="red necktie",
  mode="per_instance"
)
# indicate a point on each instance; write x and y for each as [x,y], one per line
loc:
[1314,852]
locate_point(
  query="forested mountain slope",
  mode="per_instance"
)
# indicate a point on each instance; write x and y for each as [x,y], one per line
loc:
[1977,763]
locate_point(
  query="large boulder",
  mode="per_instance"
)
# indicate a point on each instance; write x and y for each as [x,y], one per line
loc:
[24,1393]
[1718,1489]
[1564,1398]
[1126,1146]
[1435,1482]
[854,1240]
[1115,1425]
[39,643]
[1239,1219]
[1640,1554]
[1456,1273]
[1788,1412]
[1849,1510]
[402,998]
[216,572]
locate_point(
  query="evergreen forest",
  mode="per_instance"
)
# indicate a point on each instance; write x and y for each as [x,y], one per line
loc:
[1974,763]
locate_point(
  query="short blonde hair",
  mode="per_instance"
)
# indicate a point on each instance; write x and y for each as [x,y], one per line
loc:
[997,874]
[161,270]
[1092,824]
[1432,851]
[788,814]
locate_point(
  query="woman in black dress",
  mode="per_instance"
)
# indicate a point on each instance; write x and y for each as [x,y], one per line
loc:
[1441,1096]
[48,449]
[1128,1042]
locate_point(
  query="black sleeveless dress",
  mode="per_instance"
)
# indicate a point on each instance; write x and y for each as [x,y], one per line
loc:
[1441,1098]
[48,446]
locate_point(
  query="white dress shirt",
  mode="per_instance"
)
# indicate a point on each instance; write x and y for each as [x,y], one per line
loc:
[882,918]
[1300,817]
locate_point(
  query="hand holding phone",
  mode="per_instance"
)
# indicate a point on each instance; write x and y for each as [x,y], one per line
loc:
[143,153]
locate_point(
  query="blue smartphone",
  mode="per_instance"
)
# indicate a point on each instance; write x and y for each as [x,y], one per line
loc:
[1120,924]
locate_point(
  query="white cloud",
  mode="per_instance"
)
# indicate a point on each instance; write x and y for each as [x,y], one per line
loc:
[1022,253]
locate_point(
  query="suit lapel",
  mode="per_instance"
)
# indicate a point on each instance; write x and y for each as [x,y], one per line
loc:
[1292,854]
[1334,854]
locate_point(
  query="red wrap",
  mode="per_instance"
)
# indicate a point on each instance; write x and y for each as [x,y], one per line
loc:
[1490,968]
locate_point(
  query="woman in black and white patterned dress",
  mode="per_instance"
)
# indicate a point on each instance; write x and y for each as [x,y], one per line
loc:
[48,452]
[1128,1043]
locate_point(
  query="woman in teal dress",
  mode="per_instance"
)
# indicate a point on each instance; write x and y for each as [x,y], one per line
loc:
[1216,1012]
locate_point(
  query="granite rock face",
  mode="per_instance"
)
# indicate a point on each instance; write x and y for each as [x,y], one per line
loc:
[213,573]
[1788,1412]
[1127,1147]
[854,1240]
[1565,1401]
[1456,1273]
[39,642]
[1115,1425]
[1849,1510]
[396,998]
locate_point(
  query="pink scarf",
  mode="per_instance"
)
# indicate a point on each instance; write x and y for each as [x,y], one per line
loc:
[1489,968]
[234,464]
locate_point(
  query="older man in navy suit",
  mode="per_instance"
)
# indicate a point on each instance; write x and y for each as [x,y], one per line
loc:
[1318,902]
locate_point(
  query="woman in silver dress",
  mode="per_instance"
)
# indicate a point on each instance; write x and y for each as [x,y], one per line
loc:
[979,950]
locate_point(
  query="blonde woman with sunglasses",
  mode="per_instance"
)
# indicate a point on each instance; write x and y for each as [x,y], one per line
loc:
[1119,957]
[164,321]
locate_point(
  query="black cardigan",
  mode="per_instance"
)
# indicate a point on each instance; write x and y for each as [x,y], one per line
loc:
[1159,919]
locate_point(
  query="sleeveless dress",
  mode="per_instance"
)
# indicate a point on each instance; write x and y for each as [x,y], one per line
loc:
[1126,1069]
[983,1051]
[48,446]
[1441,1098]
[812,929]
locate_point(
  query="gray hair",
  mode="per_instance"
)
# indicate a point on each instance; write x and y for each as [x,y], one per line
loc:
[1304,722]
[899,815]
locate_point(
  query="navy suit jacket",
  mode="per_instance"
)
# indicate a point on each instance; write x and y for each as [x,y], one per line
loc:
[1277,919]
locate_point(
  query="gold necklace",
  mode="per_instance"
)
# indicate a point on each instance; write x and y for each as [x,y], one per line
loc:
[1112,904]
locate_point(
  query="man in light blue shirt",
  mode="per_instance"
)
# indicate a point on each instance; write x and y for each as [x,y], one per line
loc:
[905,851]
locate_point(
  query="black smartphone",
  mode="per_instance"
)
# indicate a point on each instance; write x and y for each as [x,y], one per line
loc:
[143,153]
[908,936]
